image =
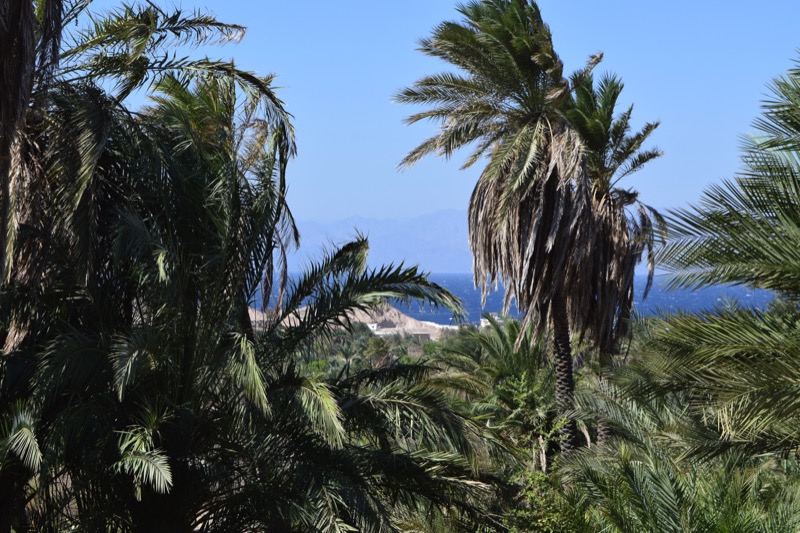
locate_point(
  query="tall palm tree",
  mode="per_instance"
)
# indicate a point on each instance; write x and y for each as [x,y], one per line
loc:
[560,243]
[30,39]
[742,363]
[164,244]
[127,49]
[626,228]
[529,210]
[80,161]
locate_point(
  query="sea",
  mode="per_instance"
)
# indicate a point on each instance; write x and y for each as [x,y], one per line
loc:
[659,300]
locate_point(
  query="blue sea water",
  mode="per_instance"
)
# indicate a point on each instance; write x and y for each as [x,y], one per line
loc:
[659,300]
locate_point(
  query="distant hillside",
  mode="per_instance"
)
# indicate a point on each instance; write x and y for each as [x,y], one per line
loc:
[437,242]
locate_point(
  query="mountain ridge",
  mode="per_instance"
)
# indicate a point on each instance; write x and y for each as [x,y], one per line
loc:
[436,242]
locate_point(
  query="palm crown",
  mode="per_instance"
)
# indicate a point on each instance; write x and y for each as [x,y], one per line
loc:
[134,389]
[625,228]
[544,218]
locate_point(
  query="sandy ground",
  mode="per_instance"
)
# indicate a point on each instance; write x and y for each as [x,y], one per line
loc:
[383,322]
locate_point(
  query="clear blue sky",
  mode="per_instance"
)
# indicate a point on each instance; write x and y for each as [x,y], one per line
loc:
[700,67]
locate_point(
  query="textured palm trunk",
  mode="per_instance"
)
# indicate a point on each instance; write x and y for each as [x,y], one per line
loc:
[604,429]
[565,384]
[26,267]
[17,58]
[29,48]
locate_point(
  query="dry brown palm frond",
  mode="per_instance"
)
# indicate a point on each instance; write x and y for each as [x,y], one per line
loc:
[17,66]
[545,220]
[528,224]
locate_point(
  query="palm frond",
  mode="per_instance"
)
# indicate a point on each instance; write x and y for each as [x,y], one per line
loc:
[139,459]
[19,438]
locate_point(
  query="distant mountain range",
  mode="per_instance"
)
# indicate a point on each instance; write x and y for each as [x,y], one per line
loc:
[437,242]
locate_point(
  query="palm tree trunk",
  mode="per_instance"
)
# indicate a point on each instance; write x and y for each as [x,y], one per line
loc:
[604,429]
[565,384]
[247,324]
[17,61]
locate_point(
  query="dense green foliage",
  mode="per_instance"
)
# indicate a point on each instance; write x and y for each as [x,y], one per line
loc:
[683,434]
[140,392]
[137,392]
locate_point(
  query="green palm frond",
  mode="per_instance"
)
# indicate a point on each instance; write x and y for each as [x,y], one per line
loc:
[140,459]
[247,374]
[129,355]
[642,480]
[742,231]
[18,438]
[739,367]
[142,27]
[341,283]
[128,44]
[320,407]
[147,467]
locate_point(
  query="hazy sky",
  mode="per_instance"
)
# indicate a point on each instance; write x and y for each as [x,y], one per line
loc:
[700,67]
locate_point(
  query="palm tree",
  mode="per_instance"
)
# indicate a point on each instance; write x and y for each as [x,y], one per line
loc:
[741,363]
[30,37]
[146,398]
[62,145]
[626,228]
[79,163]
[529,210]
[743,231]
[162,245]
[643,481]
[510,387]
[739,366]
[127,49]
[545,219]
